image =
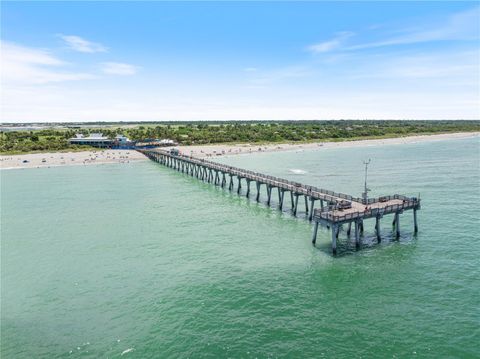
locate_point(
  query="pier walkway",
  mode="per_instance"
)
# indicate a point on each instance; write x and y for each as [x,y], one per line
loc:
[335,209]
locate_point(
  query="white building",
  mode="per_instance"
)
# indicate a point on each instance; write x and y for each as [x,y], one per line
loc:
[94,139]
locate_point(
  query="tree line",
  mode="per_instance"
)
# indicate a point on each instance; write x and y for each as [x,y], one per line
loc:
[190,133]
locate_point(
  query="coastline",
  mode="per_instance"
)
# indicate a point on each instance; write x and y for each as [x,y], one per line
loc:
[237,149]
[84,158]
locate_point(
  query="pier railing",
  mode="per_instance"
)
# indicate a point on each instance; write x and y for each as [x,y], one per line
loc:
[298,188]
[331,214]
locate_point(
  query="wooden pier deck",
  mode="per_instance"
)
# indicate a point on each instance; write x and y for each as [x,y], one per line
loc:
[331,213]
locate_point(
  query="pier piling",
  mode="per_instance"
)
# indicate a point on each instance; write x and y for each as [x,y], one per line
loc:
[269,194]
[377,229]
[415,224]
[315,230]
[357,235]
[312,206]
[334,239]
[281,194]
[397,225]
[296,205]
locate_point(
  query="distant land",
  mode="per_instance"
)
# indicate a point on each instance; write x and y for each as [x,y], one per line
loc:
[50,137]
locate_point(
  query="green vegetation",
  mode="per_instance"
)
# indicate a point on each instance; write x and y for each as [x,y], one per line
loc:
[47,140]
[188,133]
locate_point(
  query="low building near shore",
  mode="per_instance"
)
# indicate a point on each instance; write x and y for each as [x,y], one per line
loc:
[151,143]
[122,142]
[94,140]
[100,141]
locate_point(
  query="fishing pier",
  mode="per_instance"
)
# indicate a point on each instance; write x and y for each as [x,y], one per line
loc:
[334,210]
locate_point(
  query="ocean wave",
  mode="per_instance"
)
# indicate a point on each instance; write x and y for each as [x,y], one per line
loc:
[297,171]
[127,351]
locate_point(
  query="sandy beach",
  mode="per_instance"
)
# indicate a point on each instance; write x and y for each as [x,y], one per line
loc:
[224,150]
[84,158]
[39,160]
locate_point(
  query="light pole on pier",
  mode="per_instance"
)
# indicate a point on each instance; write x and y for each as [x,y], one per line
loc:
[365,193]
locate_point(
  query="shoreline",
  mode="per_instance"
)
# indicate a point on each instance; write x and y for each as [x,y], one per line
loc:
[78,158]
[246,148]
[108,156]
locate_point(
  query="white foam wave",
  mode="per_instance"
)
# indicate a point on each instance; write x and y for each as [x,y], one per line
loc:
[297,171]
[127,351]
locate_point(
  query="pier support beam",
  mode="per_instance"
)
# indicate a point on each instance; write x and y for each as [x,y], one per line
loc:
[334,239]
[296,204]
[239,185]
[415,224]
[377,229]
[248,188]
[315,230]
[269,194]
[258,191]
[397,225]
[312,205]
[349,229]
[281,194]
[306,204]
[357,235]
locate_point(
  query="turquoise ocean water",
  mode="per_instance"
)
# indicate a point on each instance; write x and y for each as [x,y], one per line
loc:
[139,259]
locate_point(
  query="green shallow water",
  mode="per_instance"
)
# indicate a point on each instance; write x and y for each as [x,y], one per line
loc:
[102,259]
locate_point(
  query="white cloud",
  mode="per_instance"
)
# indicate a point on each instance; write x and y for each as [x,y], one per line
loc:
[451,68]
[79,44]
[460,26]
[463,25]
[117,68]
[30,66]
[332,44]
[250,69]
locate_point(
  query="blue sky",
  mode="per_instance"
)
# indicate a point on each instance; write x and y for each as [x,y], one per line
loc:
[126,61]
